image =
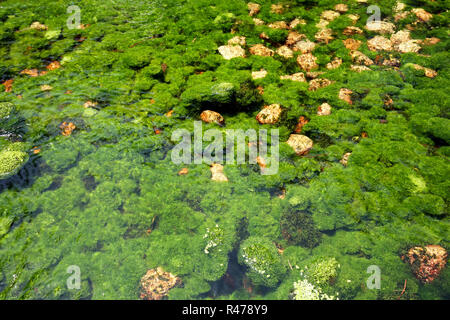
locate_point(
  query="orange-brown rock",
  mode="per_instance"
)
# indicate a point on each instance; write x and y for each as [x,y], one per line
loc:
[278,25]
[253,8]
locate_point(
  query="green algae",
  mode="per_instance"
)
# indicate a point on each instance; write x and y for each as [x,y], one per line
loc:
[108,199]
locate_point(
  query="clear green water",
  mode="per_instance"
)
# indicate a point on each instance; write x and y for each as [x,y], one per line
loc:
[108,198]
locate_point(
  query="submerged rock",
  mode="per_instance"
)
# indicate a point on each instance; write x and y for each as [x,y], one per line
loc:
[316,84]
[426,262]
[299,76]
[217,173]
[285,52]
[260,50]
[422,15]
[278,25]
[259,74]
[300,143]
[430,73]
[156,283]
[307,61]
[12,159]
[349,31]
[253,8]
[269,114]
[231,51]
[360,58]
[335,63]
[346,95]
[209,116]
[379,43]
[324,109]
[237,40]
[304,46]
[382,27]
[344,160]
[296,22]
[352,44]
[294,37]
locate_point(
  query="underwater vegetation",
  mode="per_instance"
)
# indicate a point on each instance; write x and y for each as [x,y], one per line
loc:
[86,176]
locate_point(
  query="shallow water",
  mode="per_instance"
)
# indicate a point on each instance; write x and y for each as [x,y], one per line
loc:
[108,199]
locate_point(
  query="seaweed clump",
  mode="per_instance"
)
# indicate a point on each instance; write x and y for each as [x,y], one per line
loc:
[263,261]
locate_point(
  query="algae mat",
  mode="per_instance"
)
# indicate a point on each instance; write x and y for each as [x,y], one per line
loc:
[90,197]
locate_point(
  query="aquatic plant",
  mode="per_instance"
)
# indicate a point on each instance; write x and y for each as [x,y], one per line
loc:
[263,261]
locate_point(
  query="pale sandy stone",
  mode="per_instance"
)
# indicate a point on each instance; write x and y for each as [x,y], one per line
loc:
[360,58]
[217,173]
[209,116]
[259,74]
[253,8]
[379,43]
[352,44]
[346,95]
[324,35]
[260,50]
[258,22]
[316,84]
[341,7]
[237,40]
[299,77]
[285,52]
[296,22]
[349,31]
[294,37]
[345,157]
[422,15]
[359,68]
[334,64]
[329,15]
[278,25]
[300,144]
